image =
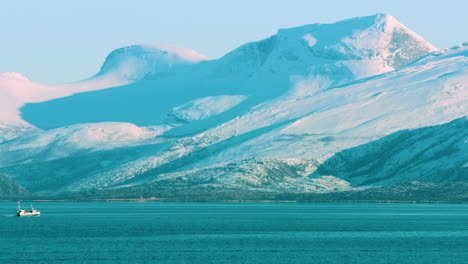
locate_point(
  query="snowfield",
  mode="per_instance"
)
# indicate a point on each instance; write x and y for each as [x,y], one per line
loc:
[288,113]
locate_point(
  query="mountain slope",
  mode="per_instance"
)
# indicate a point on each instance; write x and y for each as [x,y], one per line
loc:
[310,127]
[431,154]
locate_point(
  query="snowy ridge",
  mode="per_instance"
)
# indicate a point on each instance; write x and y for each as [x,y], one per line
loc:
[16,90]
[122,66]
[139,62]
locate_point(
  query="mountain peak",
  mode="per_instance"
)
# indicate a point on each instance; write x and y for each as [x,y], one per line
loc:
[377,30]
[383,17]
[137,62]
[345,50]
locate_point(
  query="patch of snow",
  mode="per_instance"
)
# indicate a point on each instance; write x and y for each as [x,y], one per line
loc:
[202,108]
[310,39]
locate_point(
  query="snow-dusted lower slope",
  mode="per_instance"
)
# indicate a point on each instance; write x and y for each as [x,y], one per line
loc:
[13,129]
[76,139]
[430,154]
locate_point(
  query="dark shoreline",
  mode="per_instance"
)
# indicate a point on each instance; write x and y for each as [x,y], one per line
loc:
[162,200]
[408,193]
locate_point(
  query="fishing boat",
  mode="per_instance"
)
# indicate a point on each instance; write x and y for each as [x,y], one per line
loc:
[22,212]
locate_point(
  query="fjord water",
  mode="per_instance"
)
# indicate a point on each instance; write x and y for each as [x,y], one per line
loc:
[84,232]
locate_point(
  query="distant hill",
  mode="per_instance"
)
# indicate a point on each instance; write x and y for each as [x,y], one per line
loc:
[11,189]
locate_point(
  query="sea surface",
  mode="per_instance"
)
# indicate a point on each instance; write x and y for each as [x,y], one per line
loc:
[150,232]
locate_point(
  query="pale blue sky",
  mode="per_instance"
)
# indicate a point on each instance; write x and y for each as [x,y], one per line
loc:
[56,41]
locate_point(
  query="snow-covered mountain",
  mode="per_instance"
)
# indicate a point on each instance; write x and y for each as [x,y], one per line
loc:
[256,71]
[265,116]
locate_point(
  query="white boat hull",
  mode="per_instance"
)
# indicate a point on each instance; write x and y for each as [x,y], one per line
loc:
[24,213]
